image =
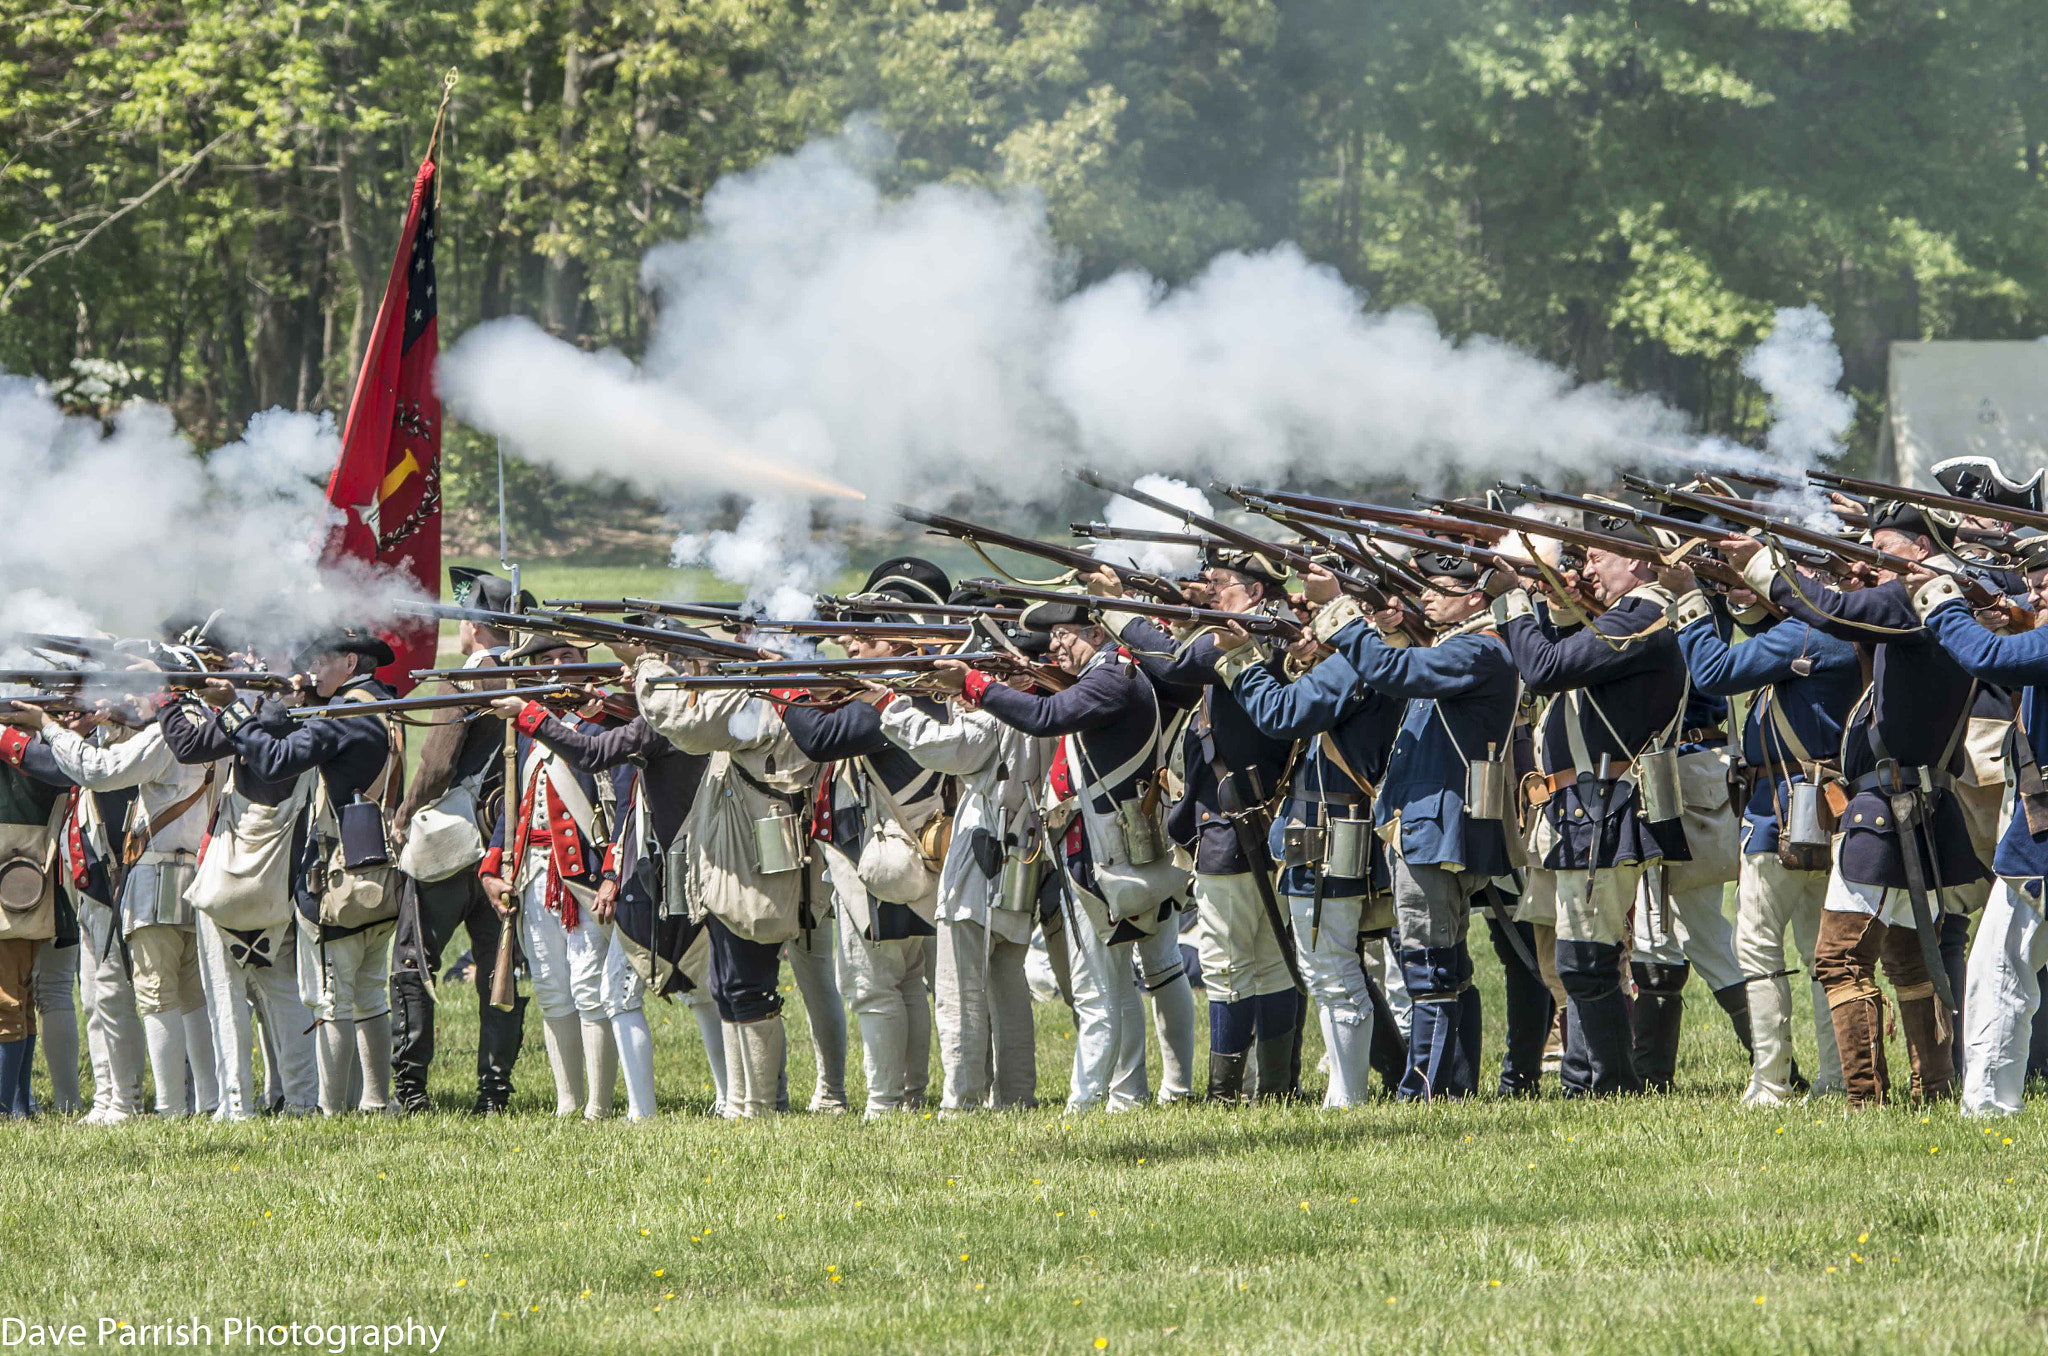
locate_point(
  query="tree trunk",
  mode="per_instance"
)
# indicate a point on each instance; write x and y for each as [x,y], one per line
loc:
[362,257]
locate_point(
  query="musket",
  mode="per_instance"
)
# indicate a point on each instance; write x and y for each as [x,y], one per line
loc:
[1853,552]
[591,669]
[1464,540]
[147,680]
[1358,548]
[831,606]
[974,534]
[809,680]
[590,628]
[918,632]
[1367,591]
[1705,566]
[1974,508]
[1338,510]
[1257,623]
[441,701]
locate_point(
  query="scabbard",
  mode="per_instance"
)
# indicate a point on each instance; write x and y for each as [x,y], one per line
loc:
[1909,813]
[1491,894]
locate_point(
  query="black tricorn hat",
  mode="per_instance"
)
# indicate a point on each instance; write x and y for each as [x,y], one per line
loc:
[1979,477]
[1029,639]
[911,578]
[1251,564]
[1043,616]
[1433,566]
[349,640]
[469,586]
[1896,515]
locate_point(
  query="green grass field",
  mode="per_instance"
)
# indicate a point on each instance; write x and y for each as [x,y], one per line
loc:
[1673,1224]
[1679,1224]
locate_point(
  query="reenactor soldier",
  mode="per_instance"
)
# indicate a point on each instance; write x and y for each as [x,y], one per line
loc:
[459,780]
[1803,682]
[1620,687]
[343,882]
[1903,842]
[747,872]
[2004,987]
[161,833]
[1098,822]
[1460,694]
[1229,771]
[34,793]
[1333,867]
[546,861]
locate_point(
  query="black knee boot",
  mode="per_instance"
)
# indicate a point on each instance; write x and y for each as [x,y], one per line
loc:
[499,1035]
[412,1040]
[1389,1056]
[1659,1006]
[1530,1013]
[1599,1050]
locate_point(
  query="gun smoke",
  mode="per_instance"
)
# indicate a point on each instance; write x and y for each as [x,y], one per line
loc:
[120,527]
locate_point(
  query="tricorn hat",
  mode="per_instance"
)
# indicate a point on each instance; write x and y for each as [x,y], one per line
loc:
[1251,564]
[350,640]
[1896,515]
[1979,477]
[1043,616]
[540,642]
[911,578]
[480,589]
[1433,566]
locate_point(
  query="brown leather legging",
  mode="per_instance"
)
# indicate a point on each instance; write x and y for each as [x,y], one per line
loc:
[1845,963]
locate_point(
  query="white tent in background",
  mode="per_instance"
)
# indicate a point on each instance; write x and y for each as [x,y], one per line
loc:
[1952,398]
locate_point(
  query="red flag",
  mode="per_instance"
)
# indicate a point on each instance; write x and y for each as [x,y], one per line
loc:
[387,483]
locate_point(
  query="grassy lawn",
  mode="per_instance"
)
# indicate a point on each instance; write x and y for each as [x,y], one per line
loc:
[1675,1224]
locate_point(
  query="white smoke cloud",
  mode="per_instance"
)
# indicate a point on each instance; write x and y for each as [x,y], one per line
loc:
[771,553]
[119,529]
[1160,558]
[932,343]
[1800,368]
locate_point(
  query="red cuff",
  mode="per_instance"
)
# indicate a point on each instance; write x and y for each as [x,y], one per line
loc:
[882,702]
[492,863]
[975,684]
[13,741]
[611,860]
[530,717]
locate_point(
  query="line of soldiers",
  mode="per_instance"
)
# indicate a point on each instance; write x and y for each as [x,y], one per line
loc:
[1152,806]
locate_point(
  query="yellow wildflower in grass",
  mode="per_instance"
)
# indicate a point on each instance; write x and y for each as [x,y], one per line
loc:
[660,1272]
[586,1293]
[1759,1300]
[464,1281]
[1494,1284]
[1101,1343]
[1863,1237]
[643,1233]
[963,1256]
[534,1309]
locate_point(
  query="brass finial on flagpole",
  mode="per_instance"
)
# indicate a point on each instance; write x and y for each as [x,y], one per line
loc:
[440,114]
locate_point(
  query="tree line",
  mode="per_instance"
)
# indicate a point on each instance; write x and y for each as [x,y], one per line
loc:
[198,201]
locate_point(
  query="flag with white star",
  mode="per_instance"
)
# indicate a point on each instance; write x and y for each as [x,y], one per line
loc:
[386,486]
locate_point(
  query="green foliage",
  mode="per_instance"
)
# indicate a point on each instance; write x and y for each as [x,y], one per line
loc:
[1677,1224]
[202,195]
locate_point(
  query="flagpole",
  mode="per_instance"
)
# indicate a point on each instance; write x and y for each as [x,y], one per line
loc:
[503,563]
